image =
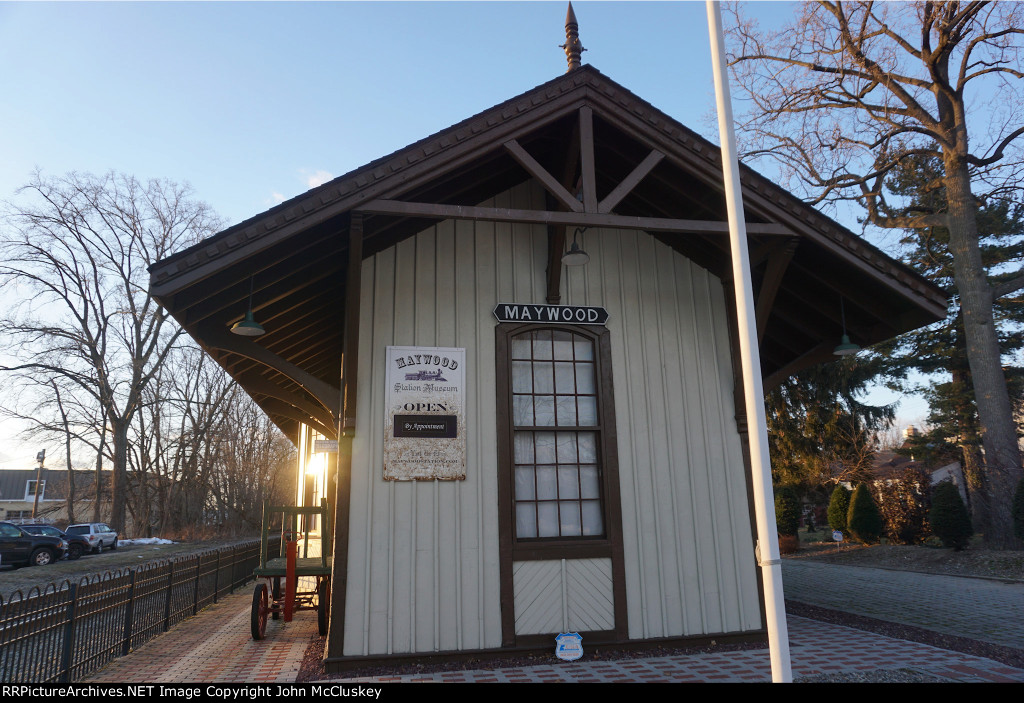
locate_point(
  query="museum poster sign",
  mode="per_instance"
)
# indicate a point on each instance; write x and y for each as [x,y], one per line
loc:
[425,425]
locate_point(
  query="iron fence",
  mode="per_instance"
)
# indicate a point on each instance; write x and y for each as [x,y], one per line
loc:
[62,633]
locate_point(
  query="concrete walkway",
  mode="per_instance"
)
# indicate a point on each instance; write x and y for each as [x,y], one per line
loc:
[215,645]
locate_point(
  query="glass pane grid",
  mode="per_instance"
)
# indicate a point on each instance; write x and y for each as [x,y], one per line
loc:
[556,472]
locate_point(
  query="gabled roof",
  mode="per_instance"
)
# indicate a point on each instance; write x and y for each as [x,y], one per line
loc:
[803,263]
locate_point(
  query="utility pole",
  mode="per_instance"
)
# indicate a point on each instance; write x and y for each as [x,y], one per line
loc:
[41,458]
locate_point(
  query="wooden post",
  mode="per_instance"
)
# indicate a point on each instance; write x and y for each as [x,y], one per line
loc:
[346,433]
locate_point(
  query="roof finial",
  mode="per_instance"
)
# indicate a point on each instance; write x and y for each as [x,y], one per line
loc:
[573,48]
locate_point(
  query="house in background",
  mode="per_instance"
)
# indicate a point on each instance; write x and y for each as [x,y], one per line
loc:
[18,493]
[890,465]
[583,465]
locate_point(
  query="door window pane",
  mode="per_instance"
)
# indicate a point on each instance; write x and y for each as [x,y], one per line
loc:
[557,474]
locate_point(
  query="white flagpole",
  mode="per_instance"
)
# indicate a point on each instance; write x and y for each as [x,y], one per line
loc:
[753,392]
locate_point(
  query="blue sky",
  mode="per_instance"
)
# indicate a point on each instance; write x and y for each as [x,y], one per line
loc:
[255,102]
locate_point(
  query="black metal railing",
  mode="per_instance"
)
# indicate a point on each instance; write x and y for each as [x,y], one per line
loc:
[62,633]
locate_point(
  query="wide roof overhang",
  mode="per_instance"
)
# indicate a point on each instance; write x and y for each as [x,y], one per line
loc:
[632,166]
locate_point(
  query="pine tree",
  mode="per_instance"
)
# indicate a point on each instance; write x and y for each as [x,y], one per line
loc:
[819,432]
[948,517]
[838,506]
[863,520]
[787,511]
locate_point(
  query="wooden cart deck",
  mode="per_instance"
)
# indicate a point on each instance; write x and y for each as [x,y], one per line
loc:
[309,566]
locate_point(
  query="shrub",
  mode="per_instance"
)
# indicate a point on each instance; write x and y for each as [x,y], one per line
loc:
[904,504]
[863,519]
[787,511]
[1018,510]
[838,506]
[948,517]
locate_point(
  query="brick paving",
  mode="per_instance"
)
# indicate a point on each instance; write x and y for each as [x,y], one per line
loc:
[215,646]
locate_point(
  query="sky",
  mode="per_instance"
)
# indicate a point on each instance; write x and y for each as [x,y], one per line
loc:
[252,103]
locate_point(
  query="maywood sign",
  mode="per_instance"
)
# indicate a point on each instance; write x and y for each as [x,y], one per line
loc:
[575,314]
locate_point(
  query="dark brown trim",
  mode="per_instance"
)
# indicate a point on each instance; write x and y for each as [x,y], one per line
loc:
[442,211]
[346,431]
[556,245]
[544,648]
[310,412]
[630,182]
[547,181]
[588,172]
[216,337]
[778,260]
[610,546]
[614,507]
[562,549]
[817,355]
[743,427]
[349,361]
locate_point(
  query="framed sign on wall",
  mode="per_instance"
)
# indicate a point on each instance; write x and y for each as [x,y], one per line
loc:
[425,422]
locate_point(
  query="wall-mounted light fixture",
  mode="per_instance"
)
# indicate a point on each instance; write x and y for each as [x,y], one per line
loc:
[248,327]
[575,256]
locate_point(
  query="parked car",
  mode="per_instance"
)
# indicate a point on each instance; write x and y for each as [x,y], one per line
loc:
[77,545]
[98,534]
[21,548]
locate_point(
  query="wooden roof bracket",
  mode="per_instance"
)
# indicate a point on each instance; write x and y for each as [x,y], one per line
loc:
[309,413]
[216,338]
[778,260]
[817,355]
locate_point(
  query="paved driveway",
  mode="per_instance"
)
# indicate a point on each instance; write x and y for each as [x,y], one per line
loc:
[991,611]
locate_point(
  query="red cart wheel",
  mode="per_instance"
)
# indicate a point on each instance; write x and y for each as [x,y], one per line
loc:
[323,605]
[260,608]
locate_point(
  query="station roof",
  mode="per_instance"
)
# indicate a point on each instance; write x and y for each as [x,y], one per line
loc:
[636,167]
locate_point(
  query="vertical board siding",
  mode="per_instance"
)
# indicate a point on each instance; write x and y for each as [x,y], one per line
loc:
[423,556]
[686,524]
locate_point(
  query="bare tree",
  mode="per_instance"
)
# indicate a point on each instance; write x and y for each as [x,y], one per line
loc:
[75,251]
[849,91]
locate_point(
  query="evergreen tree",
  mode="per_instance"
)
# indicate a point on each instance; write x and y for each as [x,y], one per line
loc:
[948,517]
[787,511]
[863,520]
[838,506]
[819,432]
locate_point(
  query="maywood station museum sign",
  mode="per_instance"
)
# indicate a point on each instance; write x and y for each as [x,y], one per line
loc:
[425,426]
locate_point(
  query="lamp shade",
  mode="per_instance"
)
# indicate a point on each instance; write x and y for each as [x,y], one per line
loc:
[248,327]
[846,347]
[575,256]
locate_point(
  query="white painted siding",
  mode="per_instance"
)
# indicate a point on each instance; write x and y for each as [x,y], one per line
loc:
[686,526]
[423,556]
